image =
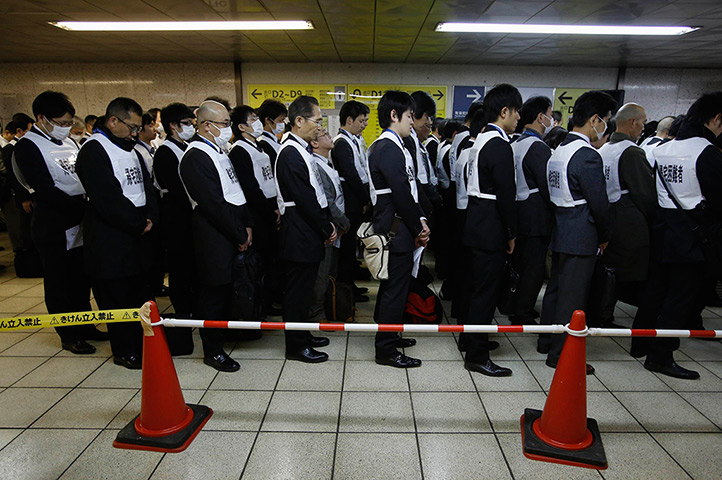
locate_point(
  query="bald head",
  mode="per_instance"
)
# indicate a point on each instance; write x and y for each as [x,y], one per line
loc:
[630,120]
[211,110]
[663,127]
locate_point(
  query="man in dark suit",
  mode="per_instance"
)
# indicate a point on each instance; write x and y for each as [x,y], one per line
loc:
[305,225]
[575,178]
[395,199]
[489,231]
[221,225]
[120,212]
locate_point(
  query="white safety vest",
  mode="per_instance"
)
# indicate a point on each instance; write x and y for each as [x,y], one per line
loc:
[611,153]
[521,148]
[126,168]
[231,187]
[270,139]
[262,169]
[387,134]
[444,148]
[60,161]
[557,178]
[312,178]
[677,161]
[425,173]
[472,186]
[648,147]
[178,154]
[359,156]
[455,146]
[148,159]
[462,198]
[430,140]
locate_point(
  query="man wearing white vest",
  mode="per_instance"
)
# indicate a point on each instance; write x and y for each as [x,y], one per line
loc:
[221,225]
[689,174]
[575,177]
[535,209]
[120,212]
[659,136]
[45,158]
[633,199]
[272,114]
[305,225]
[424,112]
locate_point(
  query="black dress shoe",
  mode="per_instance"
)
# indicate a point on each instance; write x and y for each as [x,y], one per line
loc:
[590,369]
[317,342]
[79,347]
[222,362]
[307,355]
[360,298]
[638,352]
[543,348]
[672,370]
[493,345]
[399,360]
[360,290]
[488,368]
[97,335]
[405,342]
[131,362]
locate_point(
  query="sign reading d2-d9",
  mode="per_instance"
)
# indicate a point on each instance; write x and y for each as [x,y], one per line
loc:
[330,97]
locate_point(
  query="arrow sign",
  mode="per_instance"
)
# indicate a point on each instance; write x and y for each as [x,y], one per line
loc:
[476,96]
[562,98]
[255,93]
[439,95]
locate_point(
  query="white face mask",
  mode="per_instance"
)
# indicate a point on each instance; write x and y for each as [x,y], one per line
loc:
[257,129]
[548,128]
[160,129]
[187,132]
[600,135]
[223,138]
[77,138]
[280,127]
[59,133]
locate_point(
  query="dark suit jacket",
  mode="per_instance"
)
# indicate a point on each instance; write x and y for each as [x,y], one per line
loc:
[535,213]
[580,230]
[113,225]
[355,193]
[306,226]
[175,208]
[490,224]
[388,170]
[429,196]
[218,226]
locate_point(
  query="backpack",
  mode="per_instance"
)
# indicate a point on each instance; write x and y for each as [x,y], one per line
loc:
[339,304]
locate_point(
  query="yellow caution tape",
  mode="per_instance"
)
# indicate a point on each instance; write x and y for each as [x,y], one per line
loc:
[67,319]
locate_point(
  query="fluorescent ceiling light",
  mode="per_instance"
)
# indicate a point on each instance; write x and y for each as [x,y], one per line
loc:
[183,26]
[561,29]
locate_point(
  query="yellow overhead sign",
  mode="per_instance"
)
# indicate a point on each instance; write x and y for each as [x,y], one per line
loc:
[330,97]
[564,99]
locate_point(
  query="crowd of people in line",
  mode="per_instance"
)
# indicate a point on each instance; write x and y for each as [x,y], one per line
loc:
[116,202]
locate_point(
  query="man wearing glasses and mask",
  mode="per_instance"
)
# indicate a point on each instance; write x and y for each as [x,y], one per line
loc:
[121,210]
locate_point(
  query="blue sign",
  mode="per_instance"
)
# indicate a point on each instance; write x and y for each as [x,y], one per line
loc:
[464,97]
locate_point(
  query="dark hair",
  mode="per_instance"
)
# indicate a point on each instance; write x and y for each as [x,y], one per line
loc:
[472,110]
[239,116]
[592,103]
[21,121]
[704,109]
[352,109]
[154,111]
[557,115]
[394,100]
[611,127]
[438,124]
[532,108]
[425,104]
[650,128]
[502,95]
[52,105]
[174,113]
[301,107]
[272,109]
[122,107]
[451,126]
[220,100]
[90,119]
[555,137]
[477,123]
[674,128]
[147,119]
[9,127]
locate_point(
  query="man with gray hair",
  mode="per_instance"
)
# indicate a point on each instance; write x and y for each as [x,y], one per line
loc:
[661,134]
[633,198]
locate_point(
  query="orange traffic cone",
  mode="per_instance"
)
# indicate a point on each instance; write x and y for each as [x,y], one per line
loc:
[562,433]
[166,423]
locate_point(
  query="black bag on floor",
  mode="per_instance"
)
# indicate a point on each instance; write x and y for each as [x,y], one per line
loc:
[422,305]
[339,303]
[602,295]
[28,264]
[507,289]
[248,279]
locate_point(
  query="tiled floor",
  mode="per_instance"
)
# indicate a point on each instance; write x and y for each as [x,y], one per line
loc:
[348,418]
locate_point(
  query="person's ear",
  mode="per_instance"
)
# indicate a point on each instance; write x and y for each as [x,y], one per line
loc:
[394,116]
[504,113]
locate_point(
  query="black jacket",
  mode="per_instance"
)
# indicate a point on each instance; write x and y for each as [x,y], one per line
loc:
[175,208]
[113,225]
[429,196]
[355,193]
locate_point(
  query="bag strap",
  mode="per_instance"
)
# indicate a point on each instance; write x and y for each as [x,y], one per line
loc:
[395,226]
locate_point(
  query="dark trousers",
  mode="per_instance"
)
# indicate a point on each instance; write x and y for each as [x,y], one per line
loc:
[391,300]
[300,279]
[457,274]
[126,338]
[668,303]
[180,284]
[529,261]
[316,312]
[347,262]
[213,302]
[482,292]
[67,288]
[567,291]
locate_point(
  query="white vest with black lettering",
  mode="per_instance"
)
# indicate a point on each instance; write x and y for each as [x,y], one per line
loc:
[308,160]
[611,153]
[408,161]
[359,157]
[148,159]
[232,191]
[472,185]
[60,161]
[126,168]
[270,139]
[557,179]
[462,198]
[521,148]
[458,138]
[677,161]
[178,155]
[261,167]
[445,148]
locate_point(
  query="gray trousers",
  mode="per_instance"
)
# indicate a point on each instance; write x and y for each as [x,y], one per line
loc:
[328,266]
